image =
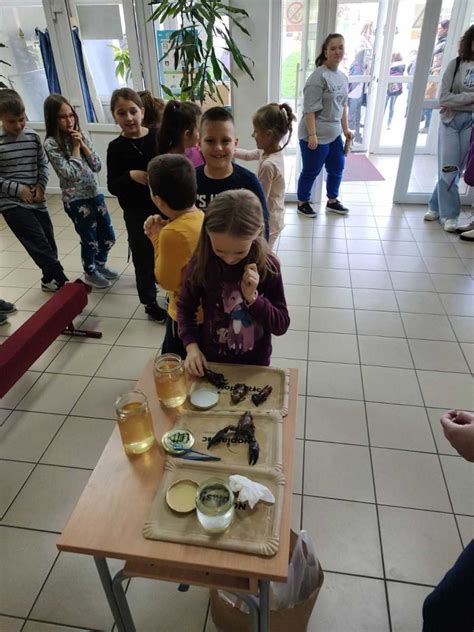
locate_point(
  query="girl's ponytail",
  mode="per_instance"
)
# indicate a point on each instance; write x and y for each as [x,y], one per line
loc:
[278,119]
[321,58]
[288,118]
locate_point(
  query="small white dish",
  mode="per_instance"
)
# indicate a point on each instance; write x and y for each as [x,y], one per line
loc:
[204,398]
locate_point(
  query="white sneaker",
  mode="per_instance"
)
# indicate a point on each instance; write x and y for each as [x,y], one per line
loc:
[450,225]
[430,216]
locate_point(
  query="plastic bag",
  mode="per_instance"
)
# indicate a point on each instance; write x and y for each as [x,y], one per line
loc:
[303,575]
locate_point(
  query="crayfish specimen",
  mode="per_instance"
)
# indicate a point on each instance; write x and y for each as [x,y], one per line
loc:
[262,395]
[239,393]
[216,379]
[245,429]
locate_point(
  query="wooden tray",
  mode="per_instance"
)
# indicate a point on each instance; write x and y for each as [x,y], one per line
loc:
[268,432]
[254,376]
[255,531]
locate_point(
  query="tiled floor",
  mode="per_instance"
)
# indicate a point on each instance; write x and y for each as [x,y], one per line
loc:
[383,335]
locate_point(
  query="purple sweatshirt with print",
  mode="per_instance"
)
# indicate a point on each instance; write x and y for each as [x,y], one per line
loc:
[231,331]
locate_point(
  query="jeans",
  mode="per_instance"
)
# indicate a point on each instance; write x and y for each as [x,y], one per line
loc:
[331,155]
[391,98]
[453,145]
[143,255]
[450,607]
[92,222]
[35,232]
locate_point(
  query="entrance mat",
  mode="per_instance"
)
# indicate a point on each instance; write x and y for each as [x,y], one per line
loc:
[360,169]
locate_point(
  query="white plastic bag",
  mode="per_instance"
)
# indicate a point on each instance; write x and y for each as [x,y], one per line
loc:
[303,575]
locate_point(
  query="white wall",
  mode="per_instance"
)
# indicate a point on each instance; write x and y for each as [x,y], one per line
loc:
[250,95]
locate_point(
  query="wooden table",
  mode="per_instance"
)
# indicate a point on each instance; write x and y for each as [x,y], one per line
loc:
[109,517]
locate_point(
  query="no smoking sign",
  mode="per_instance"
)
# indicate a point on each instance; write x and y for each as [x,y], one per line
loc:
[294,16]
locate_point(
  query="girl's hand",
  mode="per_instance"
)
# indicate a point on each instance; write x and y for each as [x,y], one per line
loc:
[26,194]
[313,141]
[195,362]
[153,225]
[249,283]
[76,138]
[349,135]
[139,176]
[458,429]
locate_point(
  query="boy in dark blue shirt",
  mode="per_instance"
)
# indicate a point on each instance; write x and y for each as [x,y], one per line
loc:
[218,142]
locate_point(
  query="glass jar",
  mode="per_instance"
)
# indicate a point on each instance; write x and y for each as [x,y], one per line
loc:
[170,380]
[134,422]
[215,505]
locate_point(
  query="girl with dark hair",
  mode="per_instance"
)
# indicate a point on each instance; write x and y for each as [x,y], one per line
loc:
[179,131]
[74,160]
[127,161]
[153,109]
[325,117]
[456,99]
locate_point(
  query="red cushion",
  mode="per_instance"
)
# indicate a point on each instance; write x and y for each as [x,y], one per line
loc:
[27,343]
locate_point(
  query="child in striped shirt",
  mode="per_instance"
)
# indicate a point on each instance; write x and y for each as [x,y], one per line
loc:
[23,180]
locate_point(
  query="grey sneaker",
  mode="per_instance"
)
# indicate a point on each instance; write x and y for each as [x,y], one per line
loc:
[96,280]
[107,273]
[6,307]
[51,286]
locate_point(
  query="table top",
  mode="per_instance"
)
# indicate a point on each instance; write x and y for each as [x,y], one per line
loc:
[109,516]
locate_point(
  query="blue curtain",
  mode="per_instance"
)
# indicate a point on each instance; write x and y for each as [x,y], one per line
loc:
[90,111]
[48,61]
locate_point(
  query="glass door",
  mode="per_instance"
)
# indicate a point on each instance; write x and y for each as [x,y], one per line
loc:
[299,36]
[361,24]
[441,26]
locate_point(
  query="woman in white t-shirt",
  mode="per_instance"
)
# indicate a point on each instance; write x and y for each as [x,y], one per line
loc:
[457,107]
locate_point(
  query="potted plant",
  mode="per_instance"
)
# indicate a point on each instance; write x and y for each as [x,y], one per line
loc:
[192,48]
[122,59]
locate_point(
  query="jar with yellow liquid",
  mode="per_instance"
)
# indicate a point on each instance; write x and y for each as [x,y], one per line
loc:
[170,380]
[134,422]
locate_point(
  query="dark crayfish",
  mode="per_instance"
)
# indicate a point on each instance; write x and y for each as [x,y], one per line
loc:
[262,395]
[239,393]
[245,429]
[216,379]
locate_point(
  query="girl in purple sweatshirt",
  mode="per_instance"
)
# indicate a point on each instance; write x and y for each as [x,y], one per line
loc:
[238,284]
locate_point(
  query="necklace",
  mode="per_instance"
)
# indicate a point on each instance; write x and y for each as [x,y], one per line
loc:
[137,149]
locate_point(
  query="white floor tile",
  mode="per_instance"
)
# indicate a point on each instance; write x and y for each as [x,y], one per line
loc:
[392,386]
[373,279]
[419,302]
[79,442]
[331,347]
[346,535]
[338,297]
[447,390]
[299,317]
[142,333]
[374,323]
[380,351]
[8,624]
[418,546]
[402,427]
[383,300]
[327,379]
[331,277]
[338,420]
[438,356]
[98,398]
[13,475]
[463,328]
[332,320]
[406,605]
[293,345]
[54,393]
[466,527]
[78,359]
[18,390]
[297,294]
[459,473]
[48,498]
[355,612]
[25,436]
[125,363]
[428,326]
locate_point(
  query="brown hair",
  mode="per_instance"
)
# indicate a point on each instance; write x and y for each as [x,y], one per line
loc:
[11,103]
[173,178]
[127,94]
[465,45]
[178,118]
[51,107]
[153,109]
[277,119]
[238,213]
[321,58]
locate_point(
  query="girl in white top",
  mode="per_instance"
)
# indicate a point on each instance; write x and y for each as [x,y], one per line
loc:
[271,123]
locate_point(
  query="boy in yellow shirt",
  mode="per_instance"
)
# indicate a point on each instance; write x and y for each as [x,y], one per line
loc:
[172,181]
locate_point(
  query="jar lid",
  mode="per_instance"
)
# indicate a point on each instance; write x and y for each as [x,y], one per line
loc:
[181,496]
[176,440]
[204,398]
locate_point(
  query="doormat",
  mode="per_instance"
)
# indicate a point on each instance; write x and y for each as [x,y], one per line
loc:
[359,169]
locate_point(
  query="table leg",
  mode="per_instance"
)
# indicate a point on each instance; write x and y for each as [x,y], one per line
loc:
[251,602]
[121,601]
[264,610]
[106,579]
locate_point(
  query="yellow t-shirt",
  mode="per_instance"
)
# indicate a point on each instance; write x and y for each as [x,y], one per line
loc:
[174,246]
